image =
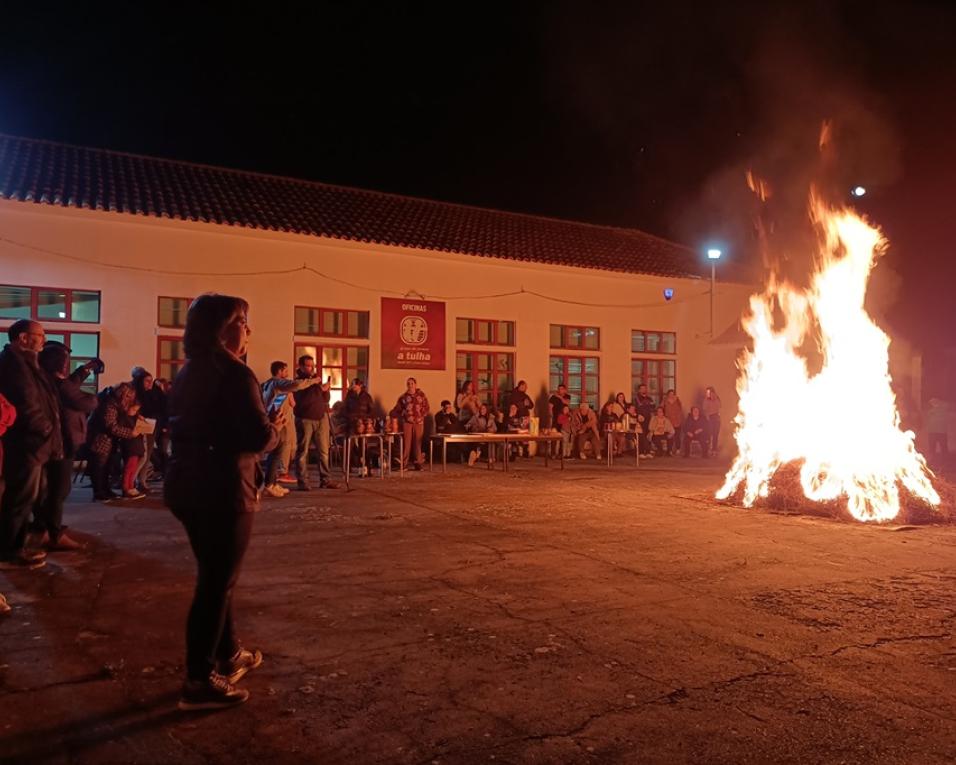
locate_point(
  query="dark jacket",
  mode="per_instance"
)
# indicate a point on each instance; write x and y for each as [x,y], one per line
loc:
[358,406]
[522,401]
[311,403]
[218,427]
[645,406]
[75,408]
[108,427]
[446,422]
[36,433]
[691,425]
[152,402]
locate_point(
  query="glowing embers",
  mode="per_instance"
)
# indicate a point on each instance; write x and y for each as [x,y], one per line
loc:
[839,424]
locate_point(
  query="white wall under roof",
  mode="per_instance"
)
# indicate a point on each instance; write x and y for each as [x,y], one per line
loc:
[129,297]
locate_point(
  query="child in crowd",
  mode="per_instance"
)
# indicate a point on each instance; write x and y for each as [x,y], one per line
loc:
[517,423]
[563,423]
[483,422]
[132,449]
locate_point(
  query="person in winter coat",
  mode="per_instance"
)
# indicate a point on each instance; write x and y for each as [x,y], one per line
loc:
[33,440]
[467,402]
[674,411]
[710,408]
[662,433]
[610,422]
[519,397]
[152,406]
[695,429]
[76,405]
[645,410]
[313,425]
[109,426]
[219,427]
[584,427]
[483,422]
[412,407]
[8,416]
[358,404]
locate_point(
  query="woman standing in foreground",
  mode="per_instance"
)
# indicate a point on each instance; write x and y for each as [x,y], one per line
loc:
[218,428]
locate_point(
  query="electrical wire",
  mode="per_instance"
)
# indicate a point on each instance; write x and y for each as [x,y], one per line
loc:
[304,268]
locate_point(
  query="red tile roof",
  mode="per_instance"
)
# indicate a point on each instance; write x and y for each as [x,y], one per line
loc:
[43,172]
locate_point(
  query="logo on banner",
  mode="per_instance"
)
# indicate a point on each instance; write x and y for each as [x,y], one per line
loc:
[414,330]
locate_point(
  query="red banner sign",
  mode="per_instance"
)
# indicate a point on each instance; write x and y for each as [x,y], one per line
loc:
[413,334]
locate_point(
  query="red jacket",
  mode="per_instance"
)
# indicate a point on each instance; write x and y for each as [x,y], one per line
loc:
[7,417]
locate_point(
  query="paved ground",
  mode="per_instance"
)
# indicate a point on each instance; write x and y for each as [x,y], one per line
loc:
[583,616]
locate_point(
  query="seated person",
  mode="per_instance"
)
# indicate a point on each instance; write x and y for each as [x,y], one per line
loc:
[483,422]
[446,421]
[695,429]
[633,425]
[661,431]
[610,422]
[517,423]
[584,428]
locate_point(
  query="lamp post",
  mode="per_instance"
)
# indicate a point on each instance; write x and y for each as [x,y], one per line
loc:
[713,254]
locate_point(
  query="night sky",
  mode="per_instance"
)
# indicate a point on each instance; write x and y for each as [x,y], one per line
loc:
[627,114]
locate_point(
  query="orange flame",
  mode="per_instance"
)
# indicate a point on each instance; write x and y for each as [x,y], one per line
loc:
[842,422]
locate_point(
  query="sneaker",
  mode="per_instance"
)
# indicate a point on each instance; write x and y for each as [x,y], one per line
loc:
[330,484]
[472,458]
[216,692]
[24,560]
[133,494]
[274,490]
[303,486]
[237,667]
[286,478]
[64,543]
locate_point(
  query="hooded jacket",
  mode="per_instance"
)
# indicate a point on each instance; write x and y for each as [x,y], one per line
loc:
[36,433]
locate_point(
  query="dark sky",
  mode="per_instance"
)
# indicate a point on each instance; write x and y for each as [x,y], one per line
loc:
[629,114]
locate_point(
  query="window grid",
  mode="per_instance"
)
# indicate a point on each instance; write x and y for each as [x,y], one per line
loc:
[85,347]
[581,375]
[659,375]
[44,304]
[484,331]
[644,341]
[492,372]
[575,337]
[171,311]
[343,363]
[331,322]
[170,356]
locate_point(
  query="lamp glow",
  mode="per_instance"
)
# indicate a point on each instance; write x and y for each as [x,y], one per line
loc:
[714,254]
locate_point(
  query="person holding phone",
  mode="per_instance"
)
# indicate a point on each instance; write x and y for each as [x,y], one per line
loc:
[277,396]
[312,426]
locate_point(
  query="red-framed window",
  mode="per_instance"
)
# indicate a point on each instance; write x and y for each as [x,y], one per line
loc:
[659,375]
[49,304]
[581,374]
[492,372]
[343,363]
[171,311]
[484,331]
[643,341]
[575,337]
[331,322]
[170,356]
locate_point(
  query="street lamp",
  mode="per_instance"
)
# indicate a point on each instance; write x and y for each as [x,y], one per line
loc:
[858,191]
[713,254]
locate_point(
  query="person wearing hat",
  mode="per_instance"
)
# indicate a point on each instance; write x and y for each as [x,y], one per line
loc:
[76,405]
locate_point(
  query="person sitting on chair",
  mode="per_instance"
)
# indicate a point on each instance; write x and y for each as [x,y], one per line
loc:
[695,429]
[661,431]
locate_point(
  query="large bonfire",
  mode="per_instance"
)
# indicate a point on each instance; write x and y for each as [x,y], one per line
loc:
[788,414]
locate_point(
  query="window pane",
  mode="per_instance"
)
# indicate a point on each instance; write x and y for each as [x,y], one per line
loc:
[637,342]
[591,384]
[306,321]
[637,367]
[463,362]
[306,350]
[14,302]
[361,356]
[331,357]
[554,381]
[362,324]
[574,366]
[505,362]
[56,337]
[85,306]
[506,332]
[483,332]
[653,368]
[51,304]
[592,338]
[575,337]
[669,367]
[668,342]
[653,387]
[331,322]
[171,349]
[591,365]
[556,366]
[557,336]
[505,382]
[463,330]
[335,373]
[653,342]
[351,355]
[485,361]
[85,344]
[670,383]
[172,311]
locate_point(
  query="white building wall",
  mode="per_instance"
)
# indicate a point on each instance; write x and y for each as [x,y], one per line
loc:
[103,250]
